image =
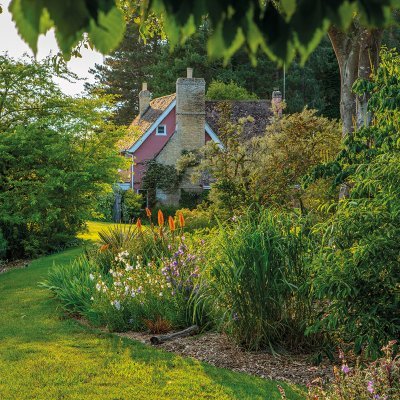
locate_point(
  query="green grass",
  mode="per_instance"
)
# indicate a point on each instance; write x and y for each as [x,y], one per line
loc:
[46,355]
[93,229]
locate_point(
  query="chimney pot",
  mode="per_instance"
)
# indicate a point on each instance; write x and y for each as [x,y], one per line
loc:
[144,99]
[189,72]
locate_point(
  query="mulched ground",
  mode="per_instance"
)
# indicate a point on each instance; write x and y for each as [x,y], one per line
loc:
[217,349]
[16,264]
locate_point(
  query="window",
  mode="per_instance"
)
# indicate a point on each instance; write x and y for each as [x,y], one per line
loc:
[161,130]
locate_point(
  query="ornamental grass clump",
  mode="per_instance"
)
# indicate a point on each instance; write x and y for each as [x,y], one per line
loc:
[380,380]
[258,287]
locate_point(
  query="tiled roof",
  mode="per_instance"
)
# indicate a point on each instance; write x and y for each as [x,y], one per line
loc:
[260,110]
[141,124]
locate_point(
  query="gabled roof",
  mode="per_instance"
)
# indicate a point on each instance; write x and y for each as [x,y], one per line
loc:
[158,109]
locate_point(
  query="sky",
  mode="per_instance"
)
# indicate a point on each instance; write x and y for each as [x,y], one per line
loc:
[12,43]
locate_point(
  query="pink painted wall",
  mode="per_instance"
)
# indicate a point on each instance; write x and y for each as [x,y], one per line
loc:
[152,145]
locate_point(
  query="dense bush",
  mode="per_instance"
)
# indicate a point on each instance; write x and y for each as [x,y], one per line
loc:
[358,267]
[103,205]
[258,280]
[3,246]
[269,169]
[218,90]
[56,153]
[132,204]
[379,380]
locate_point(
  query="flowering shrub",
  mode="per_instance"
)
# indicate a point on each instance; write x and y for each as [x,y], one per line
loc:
[380,380]
[147,292]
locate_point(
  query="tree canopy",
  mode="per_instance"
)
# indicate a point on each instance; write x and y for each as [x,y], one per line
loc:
[280,28]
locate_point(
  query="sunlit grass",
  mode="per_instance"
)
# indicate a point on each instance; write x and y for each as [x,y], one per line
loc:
[94,227]
[47,355]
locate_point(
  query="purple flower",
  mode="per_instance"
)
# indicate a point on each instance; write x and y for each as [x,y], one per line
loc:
[370,387]
[345,369]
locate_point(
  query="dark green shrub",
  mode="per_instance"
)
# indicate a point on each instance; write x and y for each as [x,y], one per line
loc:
[132,204]
[358,267]
[3,246]
[191,199]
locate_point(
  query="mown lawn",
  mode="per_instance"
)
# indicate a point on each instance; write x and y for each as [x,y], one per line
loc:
[93,229]
[45,355]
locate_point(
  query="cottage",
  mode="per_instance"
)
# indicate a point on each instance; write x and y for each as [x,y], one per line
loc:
[183,121]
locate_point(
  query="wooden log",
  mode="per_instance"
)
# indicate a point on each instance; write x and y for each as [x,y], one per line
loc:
[192,330]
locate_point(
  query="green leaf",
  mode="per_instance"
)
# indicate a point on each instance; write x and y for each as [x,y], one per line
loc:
[109,31]
[289,7]
[31,19]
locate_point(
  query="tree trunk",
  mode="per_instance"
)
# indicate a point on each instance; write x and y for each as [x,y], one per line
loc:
[357,53]
[347,49]
[370,44]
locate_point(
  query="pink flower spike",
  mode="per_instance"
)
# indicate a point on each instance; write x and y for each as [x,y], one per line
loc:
[345,369]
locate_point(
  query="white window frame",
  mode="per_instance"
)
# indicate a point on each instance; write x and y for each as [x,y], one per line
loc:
[165,130]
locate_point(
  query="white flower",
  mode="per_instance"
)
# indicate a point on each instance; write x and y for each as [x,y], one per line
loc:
[129,268]
[91,276]
[98,287]
[116,304]
[92,298]
[160,294]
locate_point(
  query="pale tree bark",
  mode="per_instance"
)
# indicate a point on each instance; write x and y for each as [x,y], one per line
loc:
[357,53]
[370,44]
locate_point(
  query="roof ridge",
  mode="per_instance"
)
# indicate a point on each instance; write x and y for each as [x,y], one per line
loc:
[163,97]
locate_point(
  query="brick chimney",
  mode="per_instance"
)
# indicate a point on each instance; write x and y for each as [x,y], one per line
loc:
[190,111]
[276,102]
[144,99]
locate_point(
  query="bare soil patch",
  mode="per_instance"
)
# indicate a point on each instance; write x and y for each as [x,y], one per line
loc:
[217,349]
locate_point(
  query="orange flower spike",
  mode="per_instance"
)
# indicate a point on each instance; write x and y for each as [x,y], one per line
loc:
[171,223]
[148,212]
[181,220]
[104,247]
[160,218]
[139,224]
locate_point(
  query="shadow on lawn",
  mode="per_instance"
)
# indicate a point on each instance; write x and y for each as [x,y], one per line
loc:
[239,385]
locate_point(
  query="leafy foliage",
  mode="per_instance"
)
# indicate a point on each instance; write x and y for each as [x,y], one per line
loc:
[268,170]
[54,159]
[228,91]
[159,176]
[358,266]
[72,285]
[132,204]
[101,20]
